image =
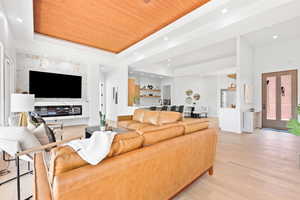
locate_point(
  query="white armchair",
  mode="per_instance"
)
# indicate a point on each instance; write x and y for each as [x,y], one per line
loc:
[21,144]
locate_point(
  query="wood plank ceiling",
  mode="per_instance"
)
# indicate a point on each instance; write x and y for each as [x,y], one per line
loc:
[111,25]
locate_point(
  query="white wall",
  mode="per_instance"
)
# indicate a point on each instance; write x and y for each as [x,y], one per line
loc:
[279,56]
[94,80]
[117,78]
[245,75]
[7,44]
[6,36]
[166,92]
[245,78]
[169,81]
[205,86]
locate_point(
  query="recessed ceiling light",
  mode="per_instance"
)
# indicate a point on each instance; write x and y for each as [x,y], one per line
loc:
[160,77]
[224,11]
[275,37]
[169,59]
[169,64]
[19,20]
[166,38]
[102,68]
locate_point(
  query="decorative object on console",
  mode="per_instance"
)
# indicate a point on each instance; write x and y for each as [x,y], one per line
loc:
[102,121]
[189,100]
[196,97]
[22,103]
[189,92]
[232,76]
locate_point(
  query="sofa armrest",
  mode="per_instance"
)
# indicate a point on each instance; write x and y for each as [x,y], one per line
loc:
[47,146]
[125,118]
[42,189]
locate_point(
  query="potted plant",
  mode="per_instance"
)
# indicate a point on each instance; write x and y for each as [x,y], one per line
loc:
[294,127]
[102,121]
[136,100]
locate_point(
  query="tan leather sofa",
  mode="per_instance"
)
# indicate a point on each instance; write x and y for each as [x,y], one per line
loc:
[150,162]
[143,118]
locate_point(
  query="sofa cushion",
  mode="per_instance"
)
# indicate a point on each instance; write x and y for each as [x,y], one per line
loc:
[126,123]
[152,128]
[64,159]
[151,117]
[137,125]
[138,115]
[166,117]
[161,133]
[194,127]
[125,142]
[193,120]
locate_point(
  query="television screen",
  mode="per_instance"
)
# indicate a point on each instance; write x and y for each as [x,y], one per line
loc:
[51,85]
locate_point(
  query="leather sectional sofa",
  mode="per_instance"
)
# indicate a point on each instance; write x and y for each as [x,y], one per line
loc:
[159,156]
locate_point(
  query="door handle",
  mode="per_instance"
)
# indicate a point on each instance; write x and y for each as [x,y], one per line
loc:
[264,106]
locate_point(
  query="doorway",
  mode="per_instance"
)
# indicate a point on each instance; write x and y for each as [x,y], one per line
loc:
[166,94]
[279,98]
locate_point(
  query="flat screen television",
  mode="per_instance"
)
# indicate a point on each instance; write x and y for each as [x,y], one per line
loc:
[52,85]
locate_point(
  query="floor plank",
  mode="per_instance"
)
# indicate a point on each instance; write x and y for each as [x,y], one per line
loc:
[259,166]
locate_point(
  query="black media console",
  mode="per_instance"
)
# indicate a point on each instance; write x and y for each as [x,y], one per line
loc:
[58,111]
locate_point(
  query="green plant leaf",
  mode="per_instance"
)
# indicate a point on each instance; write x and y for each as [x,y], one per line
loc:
[294,127]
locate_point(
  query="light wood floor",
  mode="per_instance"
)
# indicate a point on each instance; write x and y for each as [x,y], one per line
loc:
[259,166]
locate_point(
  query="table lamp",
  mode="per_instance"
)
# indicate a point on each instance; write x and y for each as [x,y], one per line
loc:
[22,103]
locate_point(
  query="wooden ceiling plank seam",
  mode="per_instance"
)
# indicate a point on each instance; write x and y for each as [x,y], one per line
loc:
[109,25]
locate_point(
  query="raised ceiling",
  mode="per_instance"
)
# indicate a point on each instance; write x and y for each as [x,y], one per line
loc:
[111,25]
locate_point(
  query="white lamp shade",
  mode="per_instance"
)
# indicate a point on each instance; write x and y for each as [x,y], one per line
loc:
[22,102]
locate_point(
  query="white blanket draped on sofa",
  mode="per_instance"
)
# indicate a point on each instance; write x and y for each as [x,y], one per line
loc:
[94,149]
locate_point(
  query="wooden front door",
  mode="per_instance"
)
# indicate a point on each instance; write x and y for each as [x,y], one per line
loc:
[279,98]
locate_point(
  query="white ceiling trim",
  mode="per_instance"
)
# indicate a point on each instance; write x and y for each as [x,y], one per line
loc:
[199,12]
[276,14]
[206,68]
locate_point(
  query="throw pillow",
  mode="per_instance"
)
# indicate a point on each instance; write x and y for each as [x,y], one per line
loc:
[44,134]
[30,125]
[50,134]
